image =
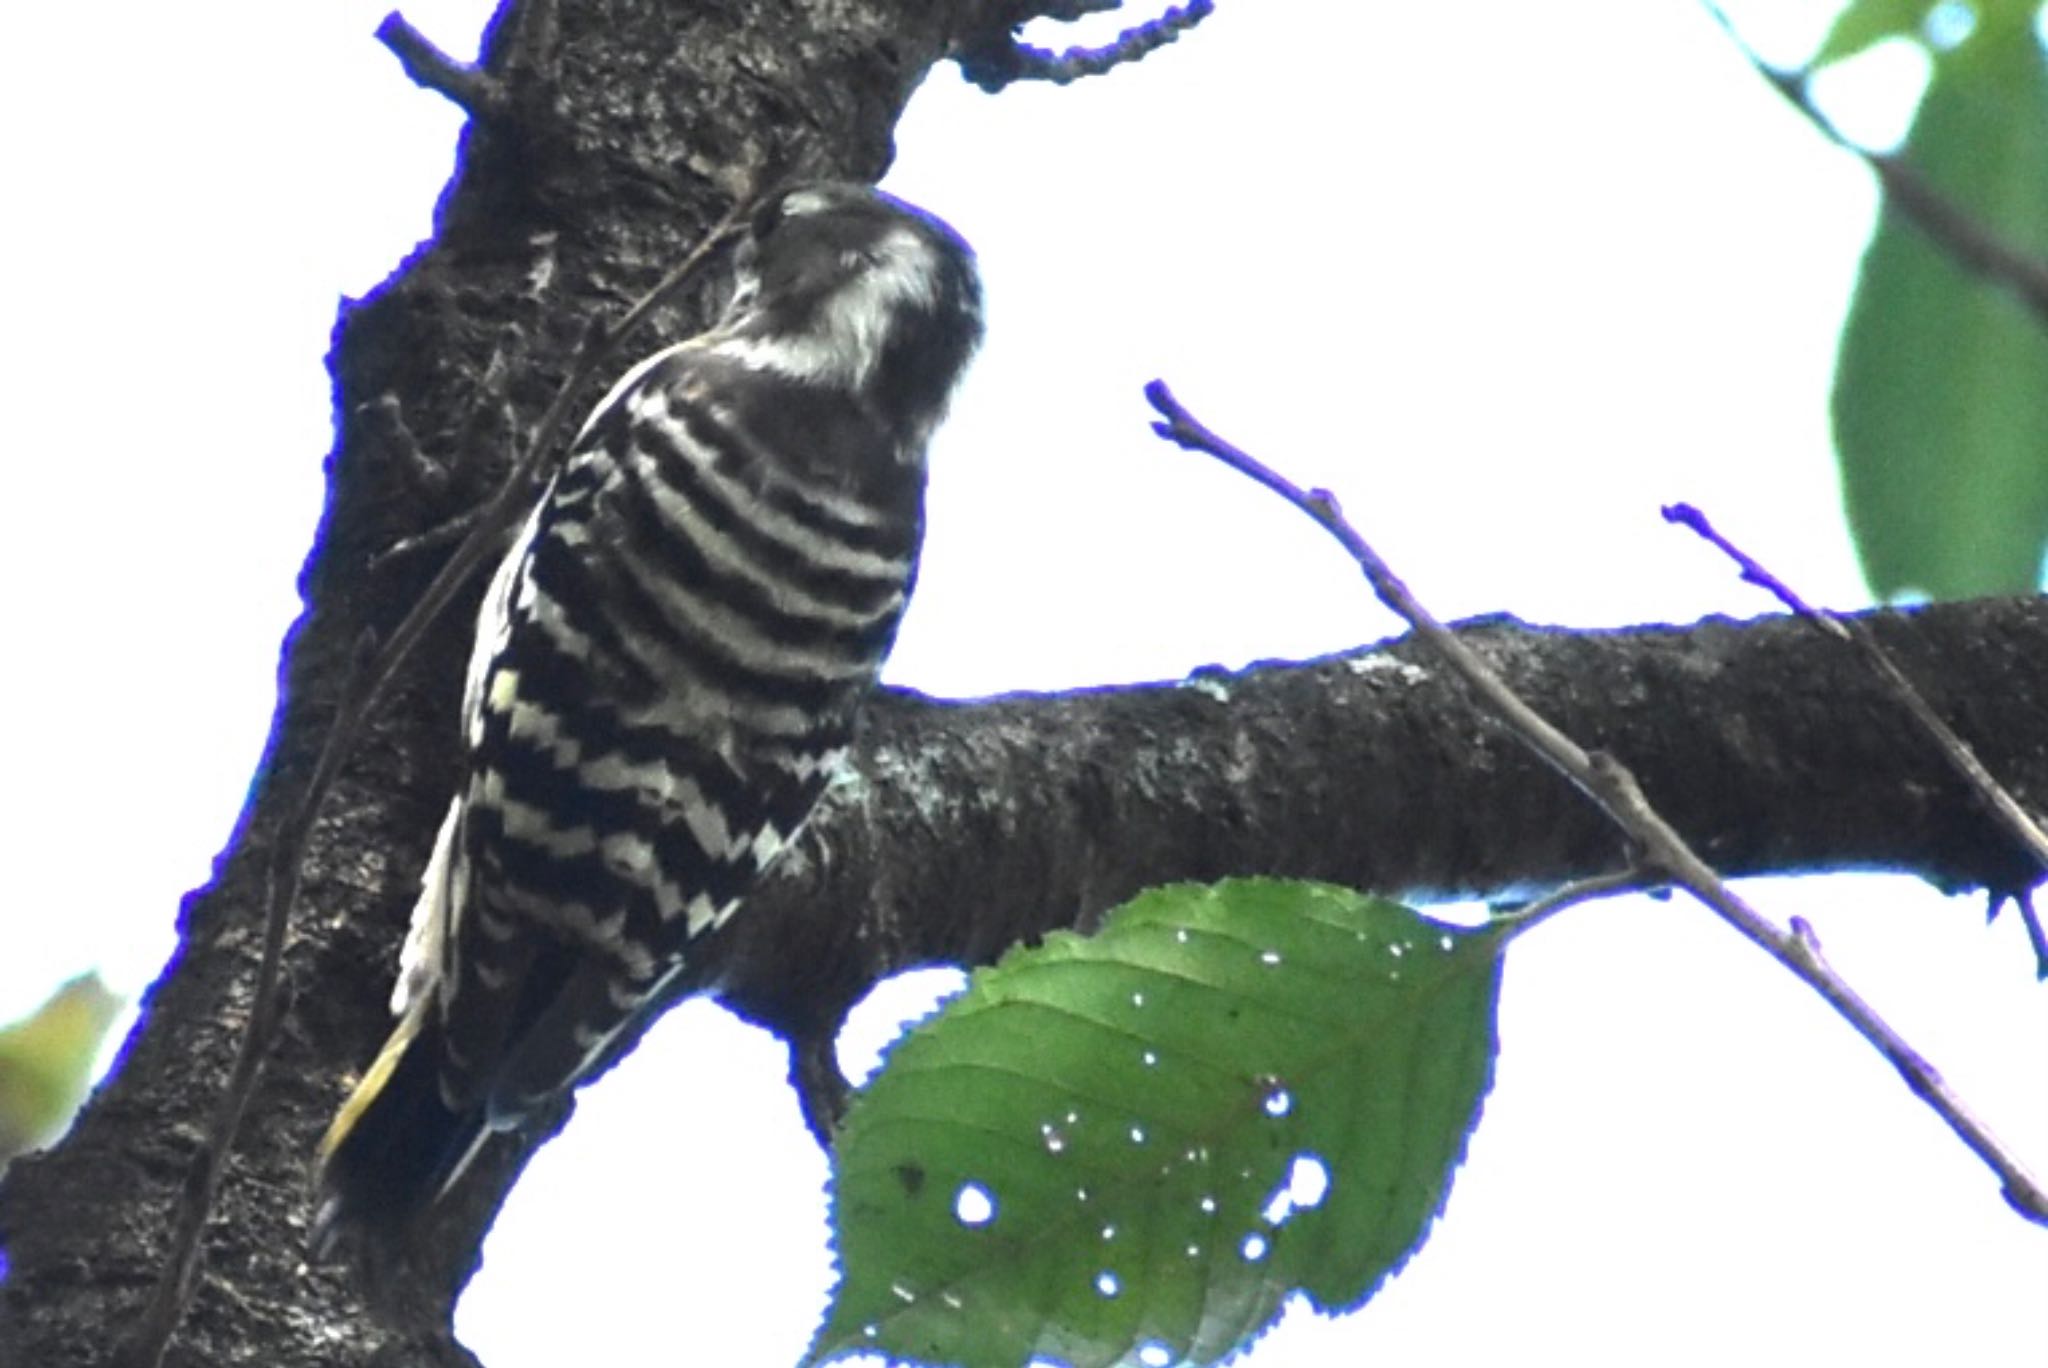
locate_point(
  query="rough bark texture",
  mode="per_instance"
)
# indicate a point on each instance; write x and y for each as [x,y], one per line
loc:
[967,826]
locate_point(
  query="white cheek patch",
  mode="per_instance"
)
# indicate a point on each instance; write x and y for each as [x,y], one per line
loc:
[905,269]
[844,345]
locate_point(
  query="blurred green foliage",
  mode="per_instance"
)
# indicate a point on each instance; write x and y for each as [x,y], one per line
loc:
[46,1063]
[1941,384]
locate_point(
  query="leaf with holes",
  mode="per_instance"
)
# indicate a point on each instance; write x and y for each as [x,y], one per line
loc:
[1136,1145]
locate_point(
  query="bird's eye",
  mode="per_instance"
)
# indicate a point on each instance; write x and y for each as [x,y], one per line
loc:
[767,219]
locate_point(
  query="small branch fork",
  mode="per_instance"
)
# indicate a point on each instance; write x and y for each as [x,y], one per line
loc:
[1591,889]
[1663,854]
[371,673]
[1968,243]
[2004,808]
[1002,58]
[469,88]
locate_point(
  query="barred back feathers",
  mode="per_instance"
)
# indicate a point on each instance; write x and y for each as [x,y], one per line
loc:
[666,673]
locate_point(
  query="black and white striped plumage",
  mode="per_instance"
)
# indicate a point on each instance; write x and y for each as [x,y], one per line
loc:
[666,672]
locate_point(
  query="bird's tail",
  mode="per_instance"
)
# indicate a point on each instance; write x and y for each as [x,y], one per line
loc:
[397,1143]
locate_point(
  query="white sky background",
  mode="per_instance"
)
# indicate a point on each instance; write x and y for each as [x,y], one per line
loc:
[1506,277]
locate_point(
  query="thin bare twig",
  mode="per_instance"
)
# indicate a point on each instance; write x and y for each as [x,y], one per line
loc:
[1522,916]
[434,538]
[2030,917]
[470,88]
[2004,808]
[1004,59]
[1661,851]
[1968,243]
[151,1334]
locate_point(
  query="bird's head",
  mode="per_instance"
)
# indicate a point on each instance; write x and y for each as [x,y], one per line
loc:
[843,287]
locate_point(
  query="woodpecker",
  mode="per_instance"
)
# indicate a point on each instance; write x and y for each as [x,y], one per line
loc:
[667,669]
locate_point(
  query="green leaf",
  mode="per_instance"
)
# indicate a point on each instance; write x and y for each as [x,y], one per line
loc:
[46,1063]
[1140,1143]
[1941,383]
[1866,23]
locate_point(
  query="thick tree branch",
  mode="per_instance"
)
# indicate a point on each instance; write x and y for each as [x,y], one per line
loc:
[1018,815]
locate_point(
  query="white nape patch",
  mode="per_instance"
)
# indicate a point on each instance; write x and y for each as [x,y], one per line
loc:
[845,344]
